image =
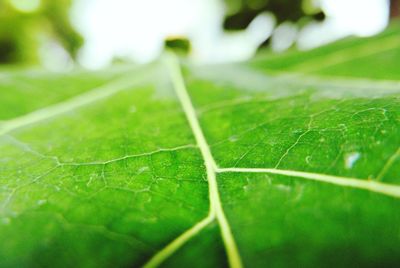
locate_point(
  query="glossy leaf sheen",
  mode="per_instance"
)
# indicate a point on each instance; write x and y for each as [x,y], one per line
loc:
[110,169]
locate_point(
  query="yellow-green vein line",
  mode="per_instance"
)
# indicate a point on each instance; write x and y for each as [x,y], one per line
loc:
[177,243]
[215,201]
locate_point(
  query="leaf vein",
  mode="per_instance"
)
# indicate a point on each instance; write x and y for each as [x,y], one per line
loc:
[86,98]
[211,167]
[370,185]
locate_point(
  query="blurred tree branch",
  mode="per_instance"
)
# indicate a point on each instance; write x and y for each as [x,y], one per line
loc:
[394,8]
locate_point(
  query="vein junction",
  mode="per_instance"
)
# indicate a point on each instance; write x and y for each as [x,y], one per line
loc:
[216,211]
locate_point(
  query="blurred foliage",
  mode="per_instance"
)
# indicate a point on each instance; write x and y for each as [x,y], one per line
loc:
[241,12]
[26,24]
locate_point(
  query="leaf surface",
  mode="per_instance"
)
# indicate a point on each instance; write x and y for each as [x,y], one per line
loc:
[282,161]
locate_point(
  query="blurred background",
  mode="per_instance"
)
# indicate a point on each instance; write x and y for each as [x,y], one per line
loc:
[61,34]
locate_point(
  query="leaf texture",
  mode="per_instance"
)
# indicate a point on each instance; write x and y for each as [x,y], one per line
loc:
[289,160]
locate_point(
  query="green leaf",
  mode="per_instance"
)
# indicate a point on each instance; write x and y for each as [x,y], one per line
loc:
[277,162]
[373,57]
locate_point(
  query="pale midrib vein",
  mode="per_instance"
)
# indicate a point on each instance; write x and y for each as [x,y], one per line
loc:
[370,185]
[216,209]
[96,94]
[177,243]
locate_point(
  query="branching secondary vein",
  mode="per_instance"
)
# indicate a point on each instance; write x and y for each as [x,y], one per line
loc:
[373,186]
[96,94]
[215,202]
[172,247]
[105,162]
[388,164]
